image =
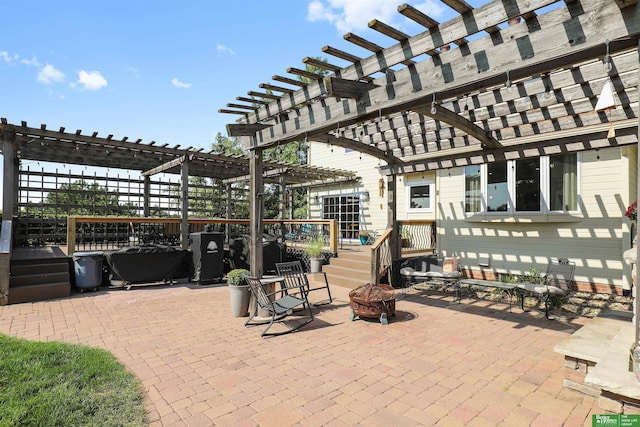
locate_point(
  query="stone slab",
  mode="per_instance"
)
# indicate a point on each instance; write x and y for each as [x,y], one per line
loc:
[591,341]
[612,371]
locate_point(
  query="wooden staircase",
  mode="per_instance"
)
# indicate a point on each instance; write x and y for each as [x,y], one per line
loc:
[351,268]
[39,279]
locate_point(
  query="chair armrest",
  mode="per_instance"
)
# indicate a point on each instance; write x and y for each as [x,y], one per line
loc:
[284,289]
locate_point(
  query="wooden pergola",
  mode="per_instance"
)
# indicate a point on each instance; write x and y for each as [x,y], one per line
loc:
[526,85]
[21,142]
[511,79]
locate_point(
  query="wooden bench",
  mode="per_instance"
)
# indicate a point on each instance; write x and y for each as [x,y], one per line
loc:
[510,289]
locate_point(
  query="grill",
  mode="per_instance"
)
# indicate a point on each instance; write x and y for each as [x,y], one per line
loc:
[373,300]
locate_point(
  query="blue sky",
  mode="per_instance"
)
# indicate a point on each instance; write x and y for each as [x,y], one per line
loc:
[160,70]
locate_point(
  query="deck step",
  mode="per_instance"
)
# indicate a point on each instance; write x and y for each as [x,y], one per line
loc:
[39,292]
[351,268]
[39,279]
[19,269]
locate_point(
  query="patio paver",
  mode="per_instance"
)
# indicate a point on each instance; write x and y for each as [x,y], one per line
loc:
[437,362]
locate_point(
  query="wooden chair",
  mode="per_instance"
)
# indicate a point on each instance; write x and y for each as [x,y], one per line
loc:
[557,281]
[296,280]
[277,307]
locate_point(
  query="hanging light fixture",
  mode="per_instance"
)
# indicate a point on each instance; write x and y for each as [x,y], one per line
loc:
[606,101]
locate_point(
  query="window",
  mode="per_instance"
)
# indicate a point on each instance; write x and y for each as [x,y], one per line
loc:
[420,196]
[543,184]
[563,183]
[497,190]
[346,209]
[472,189]
[527,185]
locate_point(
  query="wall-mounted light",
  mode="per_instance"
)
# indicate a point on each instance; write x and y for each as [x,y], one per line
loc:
[316,199]
[365,196]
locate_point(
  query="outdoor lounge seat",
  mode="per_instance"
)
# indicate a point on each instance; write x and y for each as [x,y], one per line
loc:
[557,281]
[430,268]
[296,279]
[277,307]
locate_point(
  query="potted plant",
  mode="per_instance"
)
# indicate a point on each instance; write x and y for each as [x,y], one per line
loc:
[239,292]
[314,249]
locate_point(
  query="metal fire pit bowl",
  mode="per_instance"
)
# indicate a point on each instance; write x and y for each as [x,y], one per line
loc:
[373,300]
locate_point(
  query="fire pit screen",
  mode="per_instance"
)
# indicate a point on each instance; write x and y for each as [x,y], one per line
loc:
[373,300]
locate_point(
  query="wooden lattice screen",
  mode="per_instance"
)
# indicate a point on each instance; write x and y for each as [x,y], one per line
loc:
[45,199]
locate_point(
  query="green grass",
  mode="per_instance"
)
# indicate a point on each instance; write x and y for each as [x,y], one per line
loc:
[58,384]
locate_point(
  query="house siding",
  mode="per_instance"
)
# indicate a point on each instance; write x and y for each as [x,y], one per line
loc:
[373,214]
[594,240]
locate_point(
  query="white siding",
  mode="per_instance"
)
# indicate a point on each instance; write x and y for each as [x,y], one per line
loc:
[373,215]
[593,240]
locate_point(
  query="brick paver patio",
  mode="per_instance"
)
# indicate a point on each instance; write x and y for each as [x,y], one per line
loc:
[436,363]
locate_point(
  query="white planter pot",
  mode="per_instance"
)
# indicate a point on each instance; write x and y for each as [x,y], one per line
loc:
[239,298]
[316,264]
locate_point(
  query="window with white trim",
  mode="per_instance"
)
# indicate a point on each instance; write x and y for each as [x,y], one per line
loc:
[533,185]
[420,196]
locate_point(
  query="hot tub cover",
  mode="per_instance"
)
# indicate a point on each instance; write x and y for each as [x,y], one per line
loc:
[148,263]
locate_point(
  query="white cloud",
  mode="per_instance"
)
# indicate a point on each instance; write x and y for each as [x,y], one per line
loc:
[33,61]
[223,49]
[91,80]
[351,15]
[49,74]
[178,83]
[8,58]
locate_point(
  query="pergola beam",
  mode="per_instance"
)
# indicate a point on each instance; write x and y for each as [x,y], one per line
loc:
[168,165]
[442,114]
[357,146]
[234,129]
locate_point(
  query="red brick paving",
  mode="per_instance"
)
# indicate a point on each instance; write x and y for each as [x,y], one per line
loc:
[436,363]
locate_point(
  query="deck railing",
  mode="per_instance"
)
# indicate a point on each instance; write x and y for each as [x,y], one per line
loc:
[108,233]
[381,259]
[417,236]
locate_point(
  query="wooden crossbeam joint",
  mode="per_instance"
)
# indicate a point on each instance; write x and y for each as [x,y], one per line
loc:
[250,129]
[341,88]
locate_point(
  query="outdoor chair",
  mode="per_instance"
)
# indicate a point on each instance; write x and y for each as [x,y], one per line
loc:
[431,268]
[278,304]
[296,280]
[557,281]
[300,233]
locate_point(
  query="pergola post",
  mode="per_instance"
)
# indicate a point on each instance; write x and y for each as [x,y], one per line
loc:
[256,210]
[283,205]
[147,196]
[9,208]
[9,175]
[392,217]
[227,227]
[184,201]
